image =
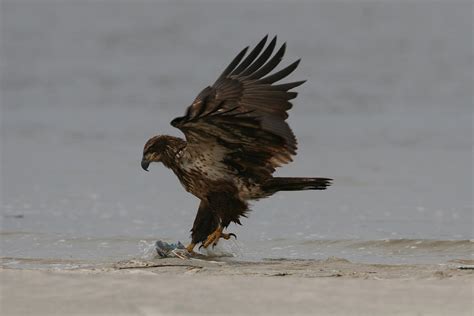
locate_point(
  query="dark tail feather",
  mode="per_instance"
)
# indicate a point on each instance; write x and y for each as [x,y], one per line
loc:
[295,184]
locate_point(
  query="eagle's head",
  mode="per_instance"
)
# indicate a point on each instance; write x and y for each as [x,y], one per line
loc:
[153,150]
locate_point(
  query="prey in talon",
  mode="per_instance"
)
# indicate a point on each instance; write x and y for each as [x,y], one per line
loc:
[236,135]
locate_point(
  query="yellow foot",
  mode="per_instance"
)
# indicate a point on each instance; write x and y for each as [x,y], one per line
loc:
[215,236]
[190,248]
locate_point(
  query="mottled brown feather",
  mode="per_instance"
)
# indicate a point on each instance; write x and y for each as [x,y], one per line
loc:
[244,113]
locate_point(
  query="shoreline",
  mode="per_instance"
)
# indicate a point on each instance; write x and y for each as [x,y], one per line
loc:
[281,287]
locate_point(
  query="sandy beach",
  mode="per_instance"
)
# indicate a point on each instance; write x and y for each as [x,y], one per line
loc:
[275,287]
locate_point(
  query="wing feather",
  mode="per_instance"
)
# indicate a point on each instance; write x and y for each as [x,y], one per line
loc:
[234,63]
[280,74]
[270,65]
[251,57]
[261,60]
[244,114]
[287,86]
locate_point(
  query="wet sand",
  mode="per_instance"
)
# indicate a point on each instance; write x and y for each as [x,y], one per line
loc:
[282,287]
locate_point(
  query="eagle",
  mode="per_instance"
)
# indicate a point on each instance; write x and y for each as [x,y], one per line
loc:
[236,135]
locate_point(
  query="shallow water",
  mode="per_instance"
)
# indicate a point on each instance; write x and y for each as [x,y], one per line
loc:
[386,112]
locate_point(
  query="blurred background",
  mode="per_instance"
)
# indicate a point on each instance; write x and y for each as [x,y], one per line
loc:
[386,112]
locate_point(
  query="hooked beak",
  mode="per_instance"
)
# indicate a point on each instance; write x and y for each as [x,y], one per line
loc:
[145,164]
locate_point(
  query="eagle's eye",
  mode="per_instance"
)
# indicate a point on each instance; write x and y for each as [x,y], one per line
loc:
[155,157]
[152,157]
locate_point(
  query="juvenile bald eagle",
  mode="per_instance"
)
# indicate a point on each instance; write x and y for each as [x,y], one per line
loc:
[236,135]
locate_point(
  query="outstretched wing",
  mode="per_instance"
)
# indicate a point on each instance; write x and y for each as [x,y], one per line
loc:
[242,115]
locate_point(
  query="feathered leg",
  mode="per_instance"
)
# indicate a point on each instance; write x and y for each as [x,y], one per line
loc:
[228,208]
[205,223]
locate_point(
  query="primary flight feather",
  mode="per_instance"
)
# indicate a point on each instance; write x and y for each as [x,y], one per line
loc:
[236,135]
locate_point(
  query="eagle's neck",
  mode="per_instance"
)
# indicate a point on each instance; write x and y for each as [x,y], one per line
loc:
[171,153]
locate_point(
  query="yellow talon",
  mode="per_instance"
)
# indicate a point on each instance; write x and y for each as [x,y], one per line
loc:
[214,237]
[190,247]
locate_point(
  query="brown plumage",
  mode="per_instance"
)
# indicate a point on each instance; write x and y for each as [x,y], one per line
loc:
[236,135]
